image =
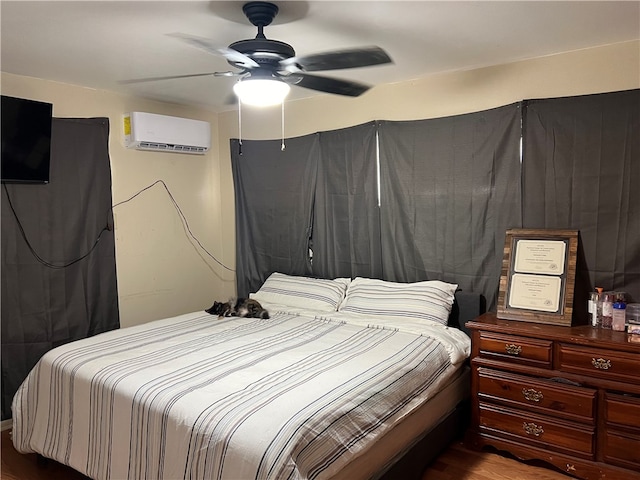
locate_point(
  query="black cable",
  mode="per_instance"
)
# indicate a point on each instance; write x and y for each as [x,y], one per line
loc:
[44,262]
[185,223]
[32,250]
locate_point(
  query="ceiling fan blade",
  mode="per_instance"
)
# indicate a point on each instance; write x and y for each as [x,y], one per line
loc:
[339,59]
[238,59]
[171,77]
[326,84]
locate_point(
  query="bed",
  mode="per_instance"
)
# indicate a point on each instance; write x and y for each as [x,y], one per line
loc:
[346,379]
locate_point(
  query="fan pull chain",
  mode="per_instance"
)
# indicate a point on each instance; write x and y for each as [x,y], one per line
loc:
[282,121]
[239,126]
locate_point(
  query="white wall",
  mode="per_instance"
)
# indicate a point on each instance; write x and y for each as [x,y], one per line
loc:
[160,272]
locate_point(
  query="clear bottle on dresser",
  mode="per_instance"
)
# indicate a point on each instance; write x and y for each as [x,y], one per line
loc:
[619,313]
[607,309]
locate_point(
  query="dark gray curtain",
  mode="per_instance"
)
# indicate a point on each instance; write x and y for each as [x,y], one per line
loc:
[581,170]
[450,190]
[452,186]
[346,229]
[274,192]
[61,297]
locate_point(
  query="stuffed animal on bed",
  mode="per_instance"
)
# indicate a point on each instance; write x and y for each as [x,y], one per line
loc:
[238,307]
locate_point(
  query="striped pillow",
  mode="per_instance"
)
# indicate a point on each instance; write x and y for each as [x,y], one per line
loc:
[302,292]
[429,300]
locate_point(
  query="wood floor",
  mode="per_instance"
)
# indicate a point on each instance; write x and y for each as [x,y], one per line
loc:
[460,463]
[457,463]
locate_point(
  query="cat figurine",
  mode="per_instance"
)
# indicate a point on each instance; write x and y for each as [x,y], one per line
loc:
[238,307]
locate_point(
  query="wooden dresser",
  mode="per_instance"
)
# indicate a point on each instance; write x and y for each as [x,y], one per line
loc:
[569,396]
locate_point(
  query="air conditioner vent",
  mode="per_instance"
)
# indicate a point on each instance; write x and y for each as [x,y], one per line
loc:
[171,148]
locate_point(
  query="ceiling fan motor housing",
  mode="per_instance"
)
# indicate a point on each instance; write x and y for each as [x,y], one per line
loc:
[263,51]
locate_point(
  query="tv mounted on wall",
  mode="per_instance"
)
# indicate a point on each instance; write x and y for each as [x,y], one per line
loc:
[26,140]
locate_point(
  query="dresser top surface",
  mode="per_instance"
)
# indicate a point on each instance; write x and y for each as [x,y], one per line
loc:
[581,335]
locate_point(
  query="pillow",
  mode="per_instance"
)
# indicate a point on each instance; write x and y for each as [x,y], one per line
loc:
[303,292]
[429,300]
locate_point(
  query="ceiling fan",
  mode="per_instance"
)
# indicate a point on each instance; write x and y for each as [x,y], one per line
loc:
[265,62]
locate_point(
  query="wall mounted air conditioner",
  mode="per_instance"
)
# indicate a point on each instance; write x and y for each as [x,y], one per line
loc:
[149,131]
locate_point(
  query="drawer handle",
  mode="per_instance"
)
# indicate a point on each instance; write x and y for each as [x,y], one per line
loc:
[601,363]
[513,349]
[532,395]
[532,429]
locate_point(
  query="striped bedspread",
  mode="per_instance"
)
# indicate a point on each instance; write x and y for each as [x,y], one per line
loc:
[197,397]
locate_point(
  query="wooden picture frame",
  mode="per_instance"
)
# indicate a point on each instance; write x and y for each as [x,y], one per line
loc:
[538,276]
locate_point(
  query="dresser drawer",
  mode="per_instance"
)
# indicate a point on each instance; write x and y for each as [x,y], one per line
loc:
[622,449]
[523,350]
[599,363]
[537,430]
[622,410]
[534,394]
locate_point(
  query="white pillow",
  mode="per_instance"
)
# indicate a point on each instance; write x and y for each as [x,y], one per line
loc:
[303,292]
[429,300]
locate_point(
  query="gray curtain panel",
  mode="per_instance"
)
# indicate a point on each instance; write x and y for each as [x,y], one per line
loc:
[61,297]
[274,192]
[450,190]
[346,227]
[581,170]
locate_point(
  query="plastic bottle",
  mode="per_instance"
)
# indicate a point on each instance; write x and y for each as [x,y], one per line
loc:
[619,314]
[599,307]
[607,309]
[592,307]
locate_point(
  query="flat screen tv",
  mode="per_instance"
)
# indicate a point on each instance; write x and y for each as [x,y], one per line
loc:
[25,131]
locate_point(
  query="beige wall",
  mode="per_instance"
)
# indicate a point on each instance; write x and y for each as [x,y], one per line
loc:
[160,272]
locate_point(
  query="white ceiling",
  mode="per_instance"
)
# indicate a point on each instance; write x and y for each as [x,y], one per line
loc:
[100,43]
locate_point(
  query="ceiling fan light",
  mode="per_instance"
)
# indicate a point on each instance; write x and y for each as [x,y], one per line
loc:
[261,92]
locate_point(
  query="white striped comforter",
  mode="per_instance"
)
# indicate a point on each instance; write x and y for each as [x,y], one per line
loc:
[194,397]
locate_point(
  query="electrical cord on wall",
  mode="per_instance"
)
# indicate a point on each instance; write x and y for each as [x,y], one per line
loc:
[182,217]
[109,227]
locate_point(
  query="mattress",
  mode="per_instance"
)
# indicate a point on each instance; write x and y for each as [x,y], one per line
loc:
[295,396]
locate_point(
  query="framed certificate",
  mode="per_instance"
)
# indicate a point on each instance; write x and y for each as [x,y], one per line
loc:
[538,276]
